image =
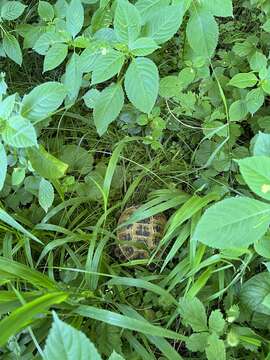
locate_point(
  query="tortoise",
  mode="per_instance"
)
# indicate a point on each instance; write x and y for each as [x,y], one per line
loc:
[144,235]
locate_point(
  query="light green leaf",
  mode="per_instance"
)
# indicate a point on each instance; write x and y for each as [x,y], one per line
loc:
[89,56]
[215,349]
[148,7]
[169,86]
[3,165]
[221,8]
[202,33]
[127,21]
[197,342]
[216,322]
[42,101]
[7,106]
[143,46]
[18,175]
[186,77]
[45,10]
[11,10]
[12,48]
[19,132]
[45,164]
[238,110]
[162,25]
[255,100]
[73,77]
[141,84]
[262,246]
[266,26]
[75,17]
[258,61]
[55,56]
[65,342]
[108,107]
[115,356]
[233,223]
[46,40]
[243,80]
[256,173]
[91,97]
[25,314]
[262,145]
[193,313]
[107,66]
[265,84]
[45,194]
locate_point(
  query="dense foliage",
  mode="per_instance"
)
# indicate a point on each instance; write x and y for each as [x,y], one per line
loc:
[158,103]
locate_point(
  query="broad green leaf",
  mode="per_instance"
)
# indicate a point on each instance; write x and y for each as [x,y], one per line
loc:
[46,40]
[193,313]
[3,165]
[21,317]
[7,106]
[108,106]
[221,8]
[45,194]
[202,33]
[233,223]
[19,132]
[243,80]
[255,100]
[265,84]
[75,17]
[42,101]
[55,56]
[45,10]
[169,86]
[141,84]
[126,322]
[78,159]
[89,57]
[162,25]
[11,10]
[186,77]
[258,61]
[45,164]
[12,48]
[254,291]
[18,175]
[266,26]
[115,356]
[148,7]
[262,246]
[215,349]
[107,65]
[65,342]
[143,46]
[197,342]
[238,110]
[91,97]
[216,322]
[262,145]
[127,21]
[73,77]
[256,173]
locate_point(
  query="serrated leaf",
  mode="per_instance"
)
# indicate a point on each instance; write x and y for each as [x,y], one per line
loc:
[89,57]
[197,342]
[7,106]
[256,173]
[258,61]
[45,10]
[127,21]
[45,194]
[238,110]
[148,7]
[42,101]
[169,86]
[233,223]
[202,33]
[18,175]
[73,77]
[46,40]
[216,322]
[55,56]
[75,17]
[193,313]
[143,46]
[45,164]
[107,65]
[223,8]
[141,84]
[162,25]
[215,349]
[11,10]
[243,80]
[90,98]
[12,48]
[19,132]
[262,145]
[107,107]
[65,342]
[255,100]
[186,77]
[3,165]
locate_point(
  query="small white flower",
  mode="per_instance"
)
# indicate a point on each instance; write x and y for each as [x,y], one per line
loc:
[103,51]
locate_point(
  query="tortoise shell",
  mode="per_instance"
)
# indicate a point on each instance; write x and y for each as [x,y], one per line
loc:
[144,235]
